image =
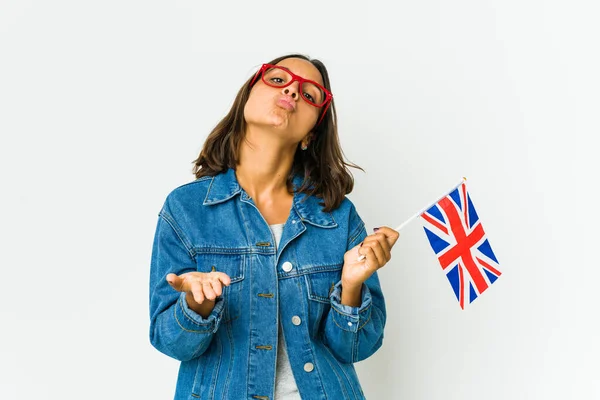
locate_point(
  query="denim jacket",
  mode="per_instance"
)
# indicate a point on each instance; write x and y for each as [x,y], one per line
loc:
[211,224]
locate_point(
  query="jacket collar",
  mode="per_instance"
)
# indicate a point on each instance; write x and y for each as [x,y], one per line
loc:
[224,186]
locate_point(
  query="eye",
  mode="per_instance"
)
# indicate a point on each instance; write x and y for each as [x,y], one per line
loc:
[309,97]
[276,80]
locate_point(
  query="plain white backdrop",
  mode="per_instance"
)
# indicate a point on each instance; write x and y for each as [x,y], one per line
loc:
[104,105]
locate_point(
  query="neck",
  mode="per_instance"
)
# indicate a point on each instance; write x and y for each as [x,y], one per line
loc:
[265,161]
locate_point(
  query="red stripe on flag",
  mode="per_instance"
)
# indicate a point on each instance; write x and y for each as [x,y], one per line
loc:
[434,223]
[488,266]
[475,273]
[463,245]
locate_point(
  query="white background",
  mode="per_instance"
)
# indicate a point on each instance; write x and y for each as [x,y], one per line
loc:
[104,105]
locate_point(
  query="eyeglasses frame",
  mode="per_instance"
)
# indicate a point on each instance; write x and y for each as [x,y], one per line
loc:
[301,80]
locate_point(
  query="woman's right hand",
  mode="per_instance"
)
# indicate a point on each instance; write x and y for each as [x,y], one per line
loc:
[201,285]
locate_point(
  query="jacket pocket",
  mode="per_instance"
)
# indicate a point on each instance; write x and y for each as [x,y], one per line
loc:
[207,372]
[234,265]
[320,281]
[319,284]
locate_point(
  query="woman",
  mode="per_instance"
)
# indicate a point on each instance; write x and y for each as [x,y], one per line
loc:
[255,285]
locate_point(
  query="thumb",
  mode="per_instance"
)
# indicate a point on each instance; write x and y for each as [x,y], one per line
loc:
[175,281]
[357,247]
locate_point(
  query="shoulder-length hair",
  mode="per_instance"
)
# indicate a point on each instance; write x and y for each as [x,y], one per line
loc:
[326,174]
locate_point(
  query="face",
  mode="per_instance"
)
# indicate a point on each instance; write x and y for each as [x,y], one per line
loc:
[282,108]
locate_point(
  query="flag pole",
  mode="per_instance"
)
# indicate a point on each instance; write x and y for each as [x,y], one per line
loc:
[402,225]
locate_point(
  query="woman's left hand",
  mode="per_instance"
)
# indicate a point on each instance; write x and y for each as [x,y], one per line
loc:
[377,249]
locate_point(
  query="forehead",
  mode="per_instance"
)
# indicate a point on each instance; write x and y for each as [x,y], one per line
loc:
[303,68]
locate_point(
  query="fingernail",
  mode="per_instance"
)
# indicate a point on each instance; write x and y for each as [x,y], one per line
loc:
[375,229]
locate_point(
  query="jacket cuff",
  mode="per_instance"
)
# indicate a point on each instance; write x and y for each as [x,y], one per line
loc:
[349,318]
[189,320]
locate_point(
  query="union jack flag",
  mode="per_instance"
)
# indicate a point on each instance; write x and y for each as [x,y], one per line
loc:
[461,245]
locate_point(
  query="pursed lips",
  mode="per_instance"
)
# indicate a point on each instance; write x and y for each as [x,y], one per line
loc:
[286,102]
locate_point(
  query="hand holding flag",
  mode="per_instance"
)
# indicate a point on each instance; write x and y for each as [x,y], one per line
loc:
[456,235]
[377,249]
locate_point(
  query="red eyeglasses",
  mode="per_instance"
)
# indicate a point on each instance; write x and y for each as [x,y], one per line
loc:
[311,92]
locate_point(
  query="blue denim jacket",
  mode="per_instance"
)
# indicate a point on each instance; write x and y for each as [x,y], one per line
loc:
[212,224]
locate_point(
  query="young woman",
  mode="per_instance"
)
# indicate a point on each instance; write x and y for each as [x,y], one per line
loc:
[254,283]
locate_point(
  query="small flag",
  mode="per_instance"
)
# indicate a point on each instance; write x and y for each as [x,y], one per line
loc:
[461,245]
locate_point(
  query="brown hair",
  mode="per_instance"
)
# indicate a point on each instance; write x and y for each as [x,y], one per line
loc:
[326,174]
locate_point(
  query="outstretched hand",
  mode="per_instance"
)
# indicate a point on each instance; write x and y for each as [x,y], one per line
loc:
[201,285]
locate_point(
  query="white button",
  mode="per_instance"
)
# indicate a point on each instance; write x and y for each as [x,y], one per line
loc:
[296,320]
[349,323]
[308,367]
[294,221]
[287,266]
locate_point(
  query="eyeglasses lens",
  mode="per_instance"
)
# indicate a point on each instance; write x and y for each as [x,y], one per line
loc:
[279,77]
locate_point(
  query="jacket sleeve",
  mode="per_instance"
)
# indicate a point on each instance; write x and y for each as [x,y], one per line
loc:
[355,333]
[175,329]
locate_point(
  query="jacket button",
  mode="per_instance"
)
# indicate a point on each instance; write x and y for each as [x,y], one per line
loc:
[308,367]
[296,320]
[287,266]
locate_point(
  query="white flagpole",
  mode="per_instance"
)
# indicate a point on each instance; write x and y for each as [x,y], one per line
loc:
[402,225]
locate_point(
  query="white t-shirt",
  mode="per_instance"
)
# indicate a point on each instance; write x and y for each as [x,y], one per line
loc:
[285,384]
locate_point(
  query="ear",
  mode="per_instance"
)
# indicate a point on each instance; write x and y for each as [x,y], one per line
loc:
[308,138]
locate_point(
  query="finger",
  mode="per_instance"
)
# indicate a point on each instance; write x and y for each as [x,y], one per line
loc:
[216,286]
[379,253]
[379,239]
[385,246]
[196,289]
[362,252]
[371,259]
[363,247]
[223,277]
[175,281]
[392,235]
[209,293]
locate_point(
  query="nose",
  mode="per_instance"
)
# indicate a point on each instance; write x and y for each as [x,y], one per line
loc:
[291,90]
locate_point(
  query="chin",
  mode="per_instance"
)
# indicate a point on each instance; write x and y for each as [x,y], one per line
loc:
[277,120]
